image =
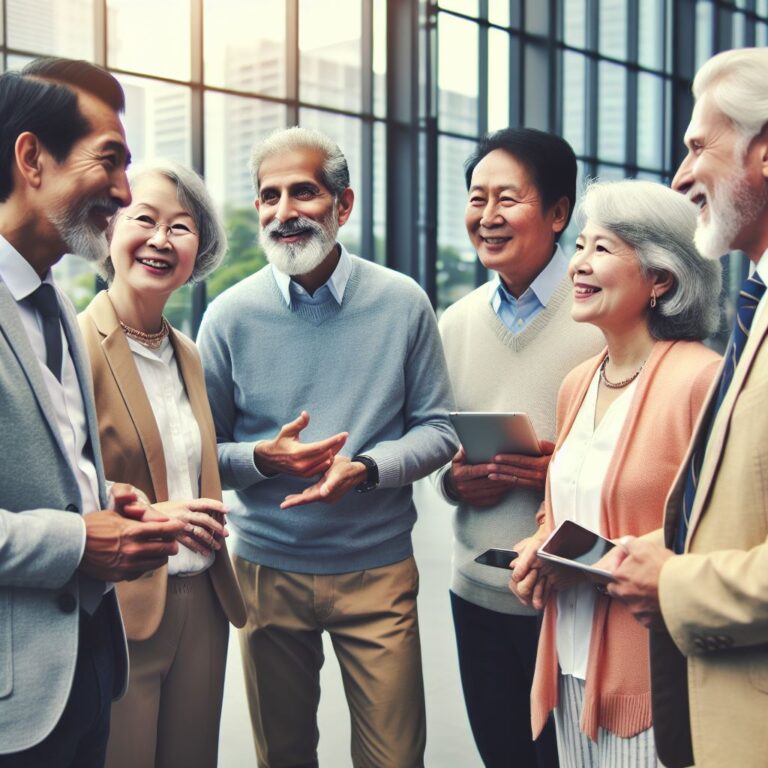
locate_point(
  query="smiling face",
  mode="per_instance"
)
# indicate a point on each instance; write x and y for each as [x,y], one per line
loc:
[154,241]
[299,216]
[609,288]
[724,178]
[511,232]
[84,191]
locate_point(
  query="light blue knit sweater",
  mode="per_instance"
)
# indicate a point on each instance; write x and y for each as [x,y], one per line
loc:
[373,367]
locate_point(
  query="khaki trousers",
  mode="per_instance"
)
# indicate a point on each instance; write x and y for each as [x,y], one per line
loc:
[372,620]
[170,715]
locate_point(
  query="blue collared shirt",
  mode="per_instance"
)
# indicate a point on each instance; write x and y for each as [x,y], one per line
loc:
[517,313]
[335,285]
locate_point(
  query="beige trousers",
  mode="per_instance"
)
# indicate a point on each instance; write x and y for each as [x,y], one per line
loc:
[372,620]
[170,715]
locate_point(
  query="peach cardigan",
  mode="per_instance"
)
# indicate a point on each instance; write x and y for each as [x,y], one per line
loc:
[670,392]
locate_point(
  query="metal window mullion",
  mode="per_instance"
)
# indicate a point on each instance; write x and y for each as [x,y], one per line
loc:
[197,133]
[481,273]
[292,61]
[367,240]
[99,30]
[591,86]
[631,105]
[683,65]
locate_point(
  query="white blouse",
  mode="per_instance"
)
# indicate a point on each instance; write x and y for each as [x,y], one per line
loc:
[577,473]
[180,434]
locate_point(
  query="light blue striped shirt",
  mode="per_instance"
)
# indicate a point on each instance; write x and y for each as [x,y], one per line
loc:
[516,314]
[334,285]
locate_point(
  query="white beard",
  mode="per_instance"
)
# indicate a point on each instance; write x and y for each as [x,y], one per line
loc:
[731,205]
[80,236]
[299,258]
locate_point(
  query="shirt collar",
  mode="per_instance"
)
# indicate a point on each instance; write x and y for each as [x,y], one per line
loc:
[17,273]
[762,267]
[337,282]
[543,286]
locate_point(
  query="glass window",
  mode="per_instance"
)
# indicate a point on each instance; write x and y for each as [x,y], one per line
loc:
[761,34]
[18,62]
[380,58]
[347,133]
[329,66]
[568,238]
[613,28]
[379,193]
[704,31]
[457,74]
[467,7]
[248,55]
[650,96]
[610,173]
[77,278]
[611,111]
[498,12]
[574,101]
[762,7]
[575,23]
[157,119]
[55,27]
[651,33]
[739,30]
[498,79]
[150,37]
[455,255]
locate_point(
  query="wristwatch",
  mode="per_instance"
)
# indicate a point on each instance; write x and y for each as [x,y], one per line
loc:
[372,474]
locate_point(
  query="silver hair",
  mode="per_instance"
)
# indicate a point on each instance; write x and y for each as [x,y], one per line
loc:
[334,171]
[659,224]
[736,82]
[194,198]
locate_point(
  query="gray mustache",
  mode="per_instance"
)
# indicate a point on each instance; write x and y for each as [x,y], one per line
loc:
[292,227]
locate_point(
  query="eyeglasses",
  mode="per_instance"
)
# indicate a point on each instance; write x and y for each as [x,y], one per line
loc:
[172,231]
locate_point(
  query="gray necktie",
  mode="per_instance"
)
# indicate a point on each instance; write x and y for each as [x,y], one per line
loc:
[45,302]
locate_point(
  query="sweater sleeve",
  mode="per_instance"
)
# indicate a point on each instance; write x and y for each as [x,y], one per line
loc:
[428,440]
[236,459]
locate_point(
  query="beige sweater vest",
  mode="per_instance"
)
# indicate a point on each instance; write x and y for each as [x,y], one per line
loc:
[492,369]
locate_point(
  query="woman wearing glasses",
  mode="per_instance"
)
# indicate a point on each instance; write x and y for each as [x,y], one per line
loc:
[157,433]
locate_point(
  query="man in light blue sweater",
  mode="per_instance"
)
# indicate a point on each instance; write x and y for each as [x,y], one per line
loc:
[324,510]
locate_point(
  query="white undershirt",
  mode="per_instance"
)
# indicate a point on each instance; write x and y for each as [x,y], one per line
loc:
[180,434]
[577,473]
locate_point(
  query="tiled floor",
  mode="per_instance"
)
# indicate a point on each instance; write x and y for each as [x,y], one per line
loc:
[449,741]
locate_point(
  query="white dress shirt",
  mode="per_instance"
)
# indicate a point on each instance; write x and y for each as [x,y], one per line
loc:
[577,473]
[180,433]
[335,285]
[22,280]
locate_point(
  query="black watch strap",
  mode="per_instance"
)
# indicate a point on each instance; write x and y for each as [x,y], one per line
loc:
[372,473]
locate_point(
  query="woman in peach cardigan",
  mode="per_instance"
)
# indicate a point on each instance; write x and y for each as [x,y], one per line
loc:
[625,419]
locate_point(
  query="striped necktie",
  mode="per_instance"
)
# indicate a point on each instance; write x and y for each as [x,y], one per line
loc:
[750,294]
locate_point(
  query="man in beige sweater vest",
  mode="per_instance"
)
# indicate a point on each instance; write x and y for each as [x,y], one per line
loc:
[508,345]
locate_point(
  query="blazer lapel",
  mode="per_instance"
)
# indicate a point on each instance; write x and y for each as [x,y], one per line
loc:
[120,360]
[719,433]
[13,329]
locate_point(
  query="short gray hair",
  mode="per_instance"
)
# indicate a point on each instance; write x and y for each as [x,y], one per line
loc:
[194,198]
[736,82]
[659,224]
[334,173]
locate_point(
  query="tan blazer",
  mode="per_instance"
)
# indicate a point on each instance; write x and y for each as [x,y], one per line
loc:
[714,599]
[133,453]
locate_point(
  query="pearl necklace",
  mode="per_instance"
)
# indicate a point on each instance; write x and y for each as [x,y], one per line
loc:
[151,340]
[618,384]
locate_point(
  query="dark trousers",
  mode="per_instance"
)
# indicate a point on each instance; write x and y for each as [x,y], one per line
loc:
[497,654]
[79,739]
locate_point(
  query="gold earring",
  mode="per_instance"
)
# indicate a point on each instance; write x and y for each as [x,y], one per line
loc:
[653,299]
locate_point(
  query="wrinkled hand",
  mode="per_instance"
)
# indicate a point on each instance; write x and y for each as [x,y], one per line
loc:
[515,470]
[286,453]
[470,482]
[343,476]
[528,581]
[127,540]
[203,519]
[637,579]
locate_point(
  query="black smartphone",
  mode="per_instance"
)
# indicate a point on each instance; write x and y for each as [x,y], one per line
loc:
[497,558]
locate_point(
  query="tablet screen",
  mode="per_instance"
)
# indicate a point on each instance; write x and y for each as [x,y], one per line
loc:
[572,541]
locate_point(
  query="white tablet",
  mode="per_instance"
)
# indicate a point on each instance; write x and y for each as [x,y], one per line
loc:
[574,546]
[484,435]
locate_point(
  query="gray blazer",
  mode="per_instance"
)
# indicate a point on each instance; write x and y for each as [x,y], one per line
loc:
[41,539]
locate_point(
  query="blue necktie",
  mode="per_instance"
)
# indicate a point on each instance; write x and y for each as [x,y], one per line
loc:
[750,294]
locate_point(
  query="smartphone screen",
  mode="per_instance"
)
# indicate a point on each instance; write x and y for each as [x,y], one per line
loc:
[496,558]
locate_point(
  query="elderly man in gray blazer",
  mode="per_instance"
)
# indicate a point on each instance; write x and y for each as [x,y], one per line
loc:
[62,541]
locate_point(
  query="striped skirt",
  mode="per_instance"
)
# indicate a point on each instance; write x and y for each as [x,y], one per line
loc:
[577,750]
